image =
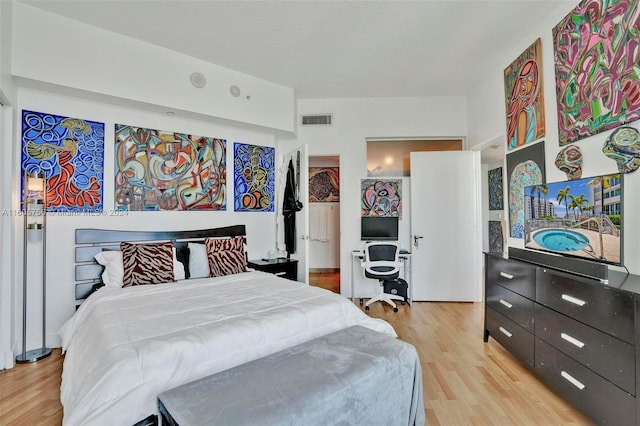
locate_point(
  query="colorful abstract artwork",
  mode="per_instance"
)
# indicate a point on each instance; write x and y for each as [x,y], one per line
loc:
[524,97]
[157,170]
[381,197]
[496,237]
[496,194]
[569,161]
[597,62]
[525,167]
[253,178]
[623,146]
[324,184]
[70,153]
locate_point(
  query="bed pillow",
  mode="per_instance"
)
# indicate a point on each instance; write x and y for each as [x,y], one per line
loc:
[226,256]
[198,261]
[147,263]
[114,268]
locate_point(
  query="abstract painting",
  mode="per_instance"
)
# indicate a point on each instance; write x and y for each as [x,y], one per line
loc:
[253,178]
[496,238]
[495,189]
[163,171]
[70,153]
[324,184]
[597,62]
[623,146]
[525,167]
[524,97]
[569,161]
[381,197]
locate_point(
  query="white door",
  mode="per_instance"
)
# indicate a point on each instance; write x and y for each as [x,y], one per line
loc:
[300,159]
[444,226]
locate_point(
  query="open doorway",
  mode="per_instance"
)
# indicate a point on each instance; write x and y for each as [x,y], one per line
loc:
[324,222]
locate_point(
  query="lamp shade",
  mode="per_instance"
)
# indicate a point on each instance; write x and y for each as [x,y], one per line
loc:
[35,182]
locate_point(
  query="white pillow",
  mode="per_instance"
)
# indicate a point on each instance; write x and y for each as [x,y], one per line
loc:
[198,261]
[114,269]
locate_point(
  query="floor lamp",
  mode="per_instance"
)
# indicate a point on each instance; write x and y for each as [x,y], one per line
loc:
[34,202]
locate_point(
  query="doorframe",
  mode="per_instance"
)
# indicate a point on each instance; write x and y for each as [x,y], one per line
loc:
[337,159]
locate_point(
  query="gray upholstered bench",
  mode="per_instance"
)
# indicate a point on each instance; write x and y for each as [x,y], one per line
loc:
[355,376]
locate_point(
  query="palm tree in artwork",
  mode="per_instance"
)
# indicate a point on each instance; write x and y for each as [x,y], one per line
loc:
[579,203]
[564,195]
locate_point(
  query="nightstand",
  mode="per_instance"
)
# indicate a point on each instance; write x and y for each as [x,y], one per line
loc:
[282,267]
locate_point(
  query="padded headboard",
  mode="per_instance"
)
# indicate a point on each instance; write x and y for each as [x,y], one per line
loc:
[89,242]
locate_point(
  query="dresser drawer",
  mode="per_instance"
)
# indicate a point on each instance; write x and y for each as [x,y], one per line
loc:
[517,308]
[601,400]
[608,356]
[514,338]
[589,301]
[516,276]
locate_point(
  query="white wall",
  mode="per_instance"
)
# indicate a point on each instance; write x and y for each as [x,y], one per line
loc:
[60,233]
[487,122]
[57,50]
[354,120]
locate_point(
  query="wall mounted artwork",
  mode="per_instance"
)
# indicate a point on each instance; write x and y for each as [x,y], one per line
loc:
[163,171]
[70,152]
[496,236]
[569,161]
[623,146]
[381,197]
[524,97]
[496,194]
[596,60]
[324,184]
[525,167]
[253,178]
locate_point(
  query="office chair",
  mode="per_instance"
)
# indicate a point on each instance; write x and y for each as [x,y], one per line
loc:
[382,262]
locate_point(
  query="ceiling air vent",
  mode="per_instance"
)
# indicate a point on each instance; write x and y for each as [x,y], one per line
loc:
[316,120]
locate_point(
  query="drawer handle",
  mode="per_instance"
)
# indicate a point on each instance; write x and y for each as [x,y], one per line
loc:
[573,300]
[507,276]
[575,382]
[572,340]
[279,274]
[505,332]
[505,303]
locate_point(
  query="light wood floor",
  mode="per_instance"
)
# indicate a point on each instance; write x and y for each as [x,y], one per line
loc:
[466,381]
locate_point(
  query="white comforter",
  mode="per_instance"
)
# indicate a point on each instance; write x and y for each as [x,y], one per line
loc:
[126,346]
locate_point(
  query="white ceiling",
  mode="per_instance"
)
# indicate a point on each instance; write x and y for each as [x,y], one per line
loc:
[330,48]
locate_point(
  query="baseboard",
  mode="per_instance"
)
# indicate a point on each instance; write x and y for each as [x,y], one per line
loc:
[7,361]
[323,270]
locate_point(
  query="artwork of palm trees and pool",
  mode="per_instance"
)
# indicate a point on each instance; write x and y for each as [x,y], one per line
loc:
[581,218]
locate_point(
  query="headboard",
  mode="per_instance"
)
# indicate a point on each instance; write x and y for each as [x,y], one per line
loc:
[90,242]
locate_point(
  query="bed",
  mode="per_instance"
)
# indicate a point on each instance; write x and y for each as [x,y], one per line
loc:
[125,346]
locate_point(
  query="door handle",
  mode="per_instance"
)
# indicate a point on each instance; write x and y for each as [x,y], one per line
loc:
[416,239]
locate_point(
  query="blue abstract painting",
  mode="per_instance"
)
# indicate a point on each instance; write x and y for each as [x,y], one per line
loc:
[253,178]
[70,153]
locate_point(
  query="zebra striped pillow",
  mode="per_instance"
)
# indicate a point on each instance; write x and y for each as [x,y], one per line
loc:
[147,263]
[226,256]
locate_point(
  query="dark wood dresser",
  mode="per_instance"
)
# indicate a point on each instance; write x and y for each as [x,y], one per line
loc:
[579,335]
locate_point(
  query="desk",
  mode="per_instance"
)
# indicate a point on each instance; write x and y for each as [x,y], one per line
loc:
[405,256]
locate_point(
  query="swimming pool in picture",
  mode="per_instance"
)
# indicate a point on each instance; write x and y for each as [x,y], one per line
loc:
[560,240]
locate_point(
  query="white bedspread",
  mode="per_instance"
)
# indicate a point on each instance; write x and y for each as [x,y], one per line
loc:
[126,346]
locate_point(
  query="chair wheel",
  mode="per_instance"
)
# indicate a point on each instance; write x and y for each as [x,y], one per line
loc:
[361,301]
[366,308]
[395,309]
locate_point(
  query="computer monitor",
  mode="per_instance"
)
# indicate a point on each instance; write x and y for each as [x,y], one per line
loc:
[379,228]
